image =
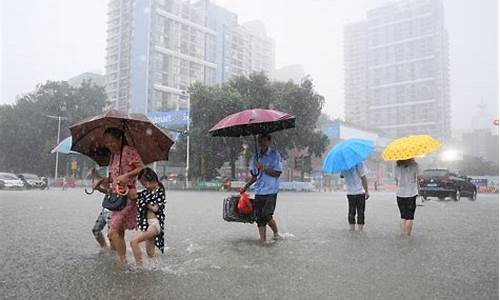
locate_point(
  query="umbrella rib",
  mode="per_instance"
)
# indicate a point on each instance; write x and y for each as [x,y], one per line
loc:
[85,135]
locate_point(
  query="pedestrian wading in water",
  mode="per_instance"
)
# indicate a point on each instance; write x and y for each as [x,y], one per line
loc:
[406,180]
[357,194]
[125,164]
[265,167]
[150,216]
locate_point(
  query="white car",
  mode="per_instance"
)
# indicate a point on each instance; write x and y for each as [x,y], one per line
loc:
[9,181]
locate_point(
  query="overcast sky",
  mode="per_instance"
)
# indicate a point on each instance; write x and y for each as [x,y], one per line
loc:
[57,39]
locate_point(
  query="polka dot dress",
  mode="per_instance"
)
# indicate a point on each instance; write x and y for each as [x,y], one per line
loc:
[152,197]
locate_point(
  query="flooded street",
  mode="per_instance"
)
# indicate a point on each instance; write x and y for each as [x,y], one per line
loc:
[48,251]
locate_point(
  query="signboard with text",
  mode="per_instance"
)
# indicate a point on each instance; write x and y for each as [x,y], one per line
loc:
[169,118]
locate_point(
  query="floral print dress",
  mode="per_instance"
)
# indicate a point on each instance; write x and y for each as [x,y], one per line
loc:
[125,218]
[156,197]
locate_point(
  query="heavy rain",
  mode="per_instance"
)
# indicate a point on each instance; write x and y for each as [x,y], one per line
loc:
[266,149]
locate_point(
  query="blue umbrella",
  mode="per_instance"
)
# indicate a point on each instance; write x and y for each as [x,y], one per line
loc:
[347,154]
[64,147]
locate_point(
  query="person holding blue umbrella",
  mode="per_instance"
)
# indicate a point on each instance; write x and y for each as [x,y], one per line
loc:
[347,158]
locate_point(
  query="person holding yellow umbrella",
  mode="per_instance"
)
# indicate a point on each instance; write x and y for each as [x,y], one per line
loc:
[404,151]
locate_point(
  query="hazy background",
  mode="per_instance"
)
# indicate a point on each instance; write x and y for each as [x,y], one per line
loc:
[57,39]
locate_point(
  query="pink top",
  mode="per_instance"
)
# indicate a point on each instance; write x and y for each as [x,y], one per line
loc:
[129,157]
[125,218]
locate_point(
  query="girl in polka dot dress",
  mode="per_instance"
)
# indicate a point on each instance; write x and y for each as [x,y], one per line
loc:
[150,215]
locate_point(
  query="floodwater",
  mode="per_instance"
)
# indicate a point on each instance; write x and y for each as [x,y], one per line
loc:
[48,251]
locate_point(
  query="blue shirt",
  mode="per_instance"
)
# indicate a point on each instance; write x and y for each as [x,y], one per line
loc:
[267,184]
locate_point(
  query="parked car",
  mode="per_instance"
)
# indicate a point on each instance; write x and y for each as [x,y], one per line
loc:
[442,183]
[9,181]
[32,181]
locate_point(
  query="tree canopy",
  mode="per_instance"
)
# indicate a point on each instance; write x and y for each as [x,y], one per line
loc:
[209,104]
[26,133]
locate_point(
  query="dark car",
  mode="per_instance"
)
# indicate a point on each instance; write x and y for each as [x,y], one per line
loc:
[442,183]
[32,181]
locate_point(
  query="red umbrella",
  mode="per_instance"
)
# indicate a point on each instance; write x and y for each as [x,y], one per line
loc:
[151,142]
[251,122]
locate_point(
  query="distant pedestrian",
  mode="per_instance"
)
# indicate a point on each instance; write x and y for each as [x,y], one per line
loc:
[45,183]
[357,194]
[266,168]
[406,181]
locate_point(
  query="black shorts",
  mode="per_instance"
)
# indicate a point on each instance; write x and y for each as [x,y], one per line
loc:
[264,206]
[407,206]
[103,219]
[356,205]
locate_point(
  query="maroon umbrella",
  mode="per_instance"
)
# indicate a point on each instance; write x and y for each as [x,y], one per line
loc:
[150,141]
[251,122]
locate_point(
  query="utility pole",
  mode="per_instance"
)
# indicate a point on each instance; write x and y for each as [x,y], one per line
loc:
[58,118]
[188,134]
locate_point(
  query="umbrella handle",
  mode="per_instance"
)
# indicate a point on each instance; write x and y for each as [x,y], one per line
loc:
[255,174]
[256,158]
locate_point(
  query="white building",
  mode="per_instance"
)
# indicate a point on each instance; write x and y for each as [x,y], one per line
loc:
[397,70]
[157,48]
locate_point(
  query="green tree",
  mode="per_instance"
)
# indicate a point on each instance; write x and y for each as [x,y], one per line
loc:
[208,105]
[26,133]
[211,104]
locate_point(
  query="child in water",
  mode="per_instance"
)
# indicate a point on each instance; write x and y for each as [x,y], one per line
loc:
[150,215]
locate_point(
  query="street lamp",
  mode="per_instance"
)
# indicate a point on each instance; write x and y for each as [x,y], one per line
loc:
[58,118]
[186,94]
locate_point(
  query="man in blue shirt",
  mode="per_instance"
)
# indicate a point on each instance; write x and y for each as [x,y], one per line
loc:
[266,169]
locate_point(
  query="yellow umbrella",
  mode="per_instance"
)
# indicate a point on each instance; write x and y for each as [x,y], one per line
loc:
[410,147]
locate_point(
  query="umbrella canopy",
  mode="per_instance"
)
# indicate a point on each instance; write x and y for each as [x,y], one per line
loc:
[251,122]
[410,147]
[151,142]
[347,154]
[64,147]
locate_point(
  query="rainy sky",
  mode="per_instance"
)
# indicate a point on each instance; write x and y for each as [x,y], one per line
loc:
[57,39]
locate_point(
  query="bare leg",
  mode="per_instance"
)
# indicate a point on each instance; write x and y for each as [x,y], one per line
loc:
[100,240]
[273,226]
[150,247]
[262,233]
[138,238]
[111,246]
[402,226]
[360,227]
[409,226]
[118,242]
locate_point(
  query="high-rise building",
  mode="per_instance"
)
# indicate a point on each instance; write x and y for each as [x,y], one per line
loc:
[158,48]
[397,70]
[355,69]
[240,49]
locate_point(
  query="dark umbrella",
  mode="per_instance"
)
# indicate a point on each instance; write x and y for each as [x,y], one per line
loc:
[151,142]
[253,122]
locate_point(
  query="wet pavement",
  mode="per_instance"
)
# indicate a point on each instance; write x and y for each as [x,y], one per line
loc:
[48,251]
